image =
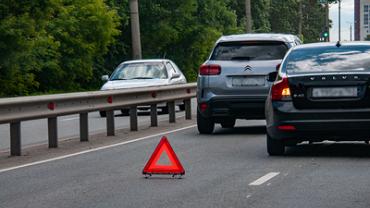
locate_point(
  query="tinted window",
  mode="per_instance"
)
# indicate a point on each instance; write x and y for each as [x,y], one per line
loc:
[140,71]
[328,59]
[249,51]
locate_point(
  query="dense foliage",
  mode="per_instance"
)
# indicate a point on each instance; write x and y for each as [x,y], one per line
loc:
[66,45]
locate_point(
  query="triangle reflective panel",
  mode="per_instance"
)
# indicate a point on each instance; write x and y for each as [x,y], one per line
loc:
[153,167]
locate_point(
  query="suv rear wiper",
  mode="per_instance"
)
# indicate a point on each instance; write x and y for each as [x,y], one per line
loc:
[242,58]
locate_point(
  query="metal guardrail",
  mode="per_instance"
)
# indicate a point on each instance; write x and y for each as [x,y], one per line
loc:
[16,110]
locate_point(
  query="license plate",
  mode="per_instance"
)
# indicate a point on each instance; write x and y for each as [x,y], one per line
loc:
[334,92]
[248,81]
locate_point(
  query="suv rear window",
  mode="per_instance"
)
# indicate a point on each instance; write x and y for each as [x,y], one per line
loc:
[328,59]
[265,50]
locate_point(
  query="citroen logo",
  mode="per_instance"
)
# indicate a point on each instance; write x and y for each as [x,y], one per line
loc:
[248,68]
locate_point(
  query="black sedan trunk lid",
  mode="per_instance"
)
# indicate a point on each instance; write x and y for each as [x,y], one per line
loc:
[330,91]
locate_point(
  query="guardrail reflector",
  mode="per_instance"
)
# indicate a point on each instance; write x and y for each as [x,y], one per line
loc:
[110,99]
[154,94]
[174,168]
[51,106]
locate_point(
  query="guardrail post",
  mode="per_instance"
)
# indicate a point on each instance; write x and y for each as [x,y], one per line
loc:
[133,118]
[110,123]
[15,139]
[171,111]
[153,115]
[84,127]
[187,109]
[53,132]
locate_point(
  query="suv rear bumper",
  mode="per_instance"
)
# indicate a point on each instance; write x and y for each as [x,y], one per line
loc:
[235,107]
[317,125]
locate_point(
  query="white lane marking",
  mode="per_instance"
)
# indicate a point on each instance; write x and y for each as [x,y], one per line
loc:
[264,179]
[70,119]
[94,150]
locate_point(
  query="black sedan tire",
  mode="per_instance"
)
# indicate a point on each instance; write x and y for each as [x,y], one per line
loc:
[182,107]
[164,110]
[205,125]
[275,147]
[125,112]
[103,114]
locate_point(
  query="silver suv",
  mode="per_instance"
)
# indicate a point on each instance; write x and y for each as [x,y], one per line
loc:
[233,83]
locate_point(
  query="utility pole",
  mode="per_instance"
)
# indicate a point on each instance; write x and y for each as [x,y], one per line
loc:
[339,20]
[350,32]
[135,29]
[300,18]
[327,26]
[248,16]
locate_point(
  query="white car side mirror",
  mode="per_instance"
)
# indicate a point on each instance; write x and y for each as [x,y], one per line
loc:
[105,78]
[175,76]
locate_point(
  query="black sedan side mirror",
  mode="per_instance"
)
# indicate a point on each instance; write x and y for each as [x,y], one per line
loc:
[272,76]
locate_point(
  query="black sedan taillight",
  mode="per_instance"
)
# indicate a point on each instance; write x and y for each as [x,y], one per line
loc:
[280,90]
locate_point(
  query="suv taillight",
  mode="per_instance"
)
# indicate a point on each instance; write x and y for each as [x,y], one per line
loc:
[210,69]
[280,90]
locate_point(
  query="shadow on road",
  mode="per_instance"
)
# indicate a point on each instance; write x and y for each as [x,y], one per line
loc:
[325,149]
[242,130]
[144,113]
[330,150]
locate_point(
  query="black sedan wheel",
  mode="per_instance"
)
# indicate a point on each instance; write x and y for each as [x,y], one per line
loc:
[103,114]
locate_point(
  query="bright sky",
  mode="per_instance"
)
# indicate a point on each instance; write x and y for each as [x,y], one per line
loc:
[347,19]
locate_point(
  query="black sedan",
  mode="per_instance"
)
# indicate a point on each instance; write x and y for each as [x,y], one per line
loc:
[322,92]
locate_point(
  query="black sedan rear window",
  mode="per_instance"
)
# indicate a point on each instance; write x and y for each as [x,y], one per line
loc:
[249,51]
[328,59]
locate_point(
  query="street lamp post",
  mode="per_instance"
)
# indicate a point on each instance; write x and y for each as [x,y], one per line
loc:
[327,26]
[339,20]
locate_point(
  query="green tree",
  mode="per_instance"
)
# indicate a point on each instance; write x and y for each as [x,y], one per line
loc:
[285,15]
[52,45]
[260,14]
[121,49]
[184,31]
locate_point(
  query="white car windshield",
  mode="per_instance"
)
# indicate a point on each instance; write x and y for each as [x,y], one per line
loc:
[140,71]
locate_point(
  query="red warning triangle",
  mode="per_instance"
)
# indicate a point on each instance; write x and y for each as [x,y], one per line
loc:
[175,167]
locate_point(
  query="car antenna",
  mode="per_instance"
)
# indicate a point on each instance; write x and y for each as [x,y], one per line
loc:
[338,44]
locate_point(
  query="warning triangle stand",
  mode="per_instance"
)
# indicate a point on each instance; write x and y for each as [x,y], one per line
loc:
[153,167]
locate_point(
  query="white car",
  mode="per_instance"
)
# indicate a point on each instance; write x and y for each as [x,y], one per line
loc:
[144,73]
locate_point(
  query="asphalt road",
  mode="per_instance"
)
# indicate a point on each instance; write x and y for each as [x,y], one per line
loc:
[34,132]
[228,169]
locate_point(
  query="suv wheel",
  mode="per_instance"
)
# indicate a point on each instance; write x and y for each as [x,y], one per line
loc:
[205,125]
[228,123]
[275,147]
